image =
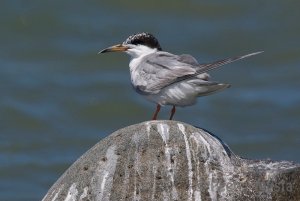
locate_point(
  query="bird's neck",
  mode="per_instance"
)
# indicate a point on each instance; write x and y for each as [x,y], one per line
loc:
[140,51]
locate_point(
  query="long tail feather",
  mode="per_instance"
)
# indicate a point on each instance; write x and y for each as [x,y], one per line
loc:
[210,66]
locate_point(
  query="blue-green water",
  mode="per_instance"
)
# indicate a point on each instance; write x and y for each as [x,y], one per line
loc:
[58,97]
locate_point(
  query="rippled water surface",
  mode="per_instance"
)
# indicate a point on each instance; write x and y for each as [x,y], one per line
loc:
[58,97]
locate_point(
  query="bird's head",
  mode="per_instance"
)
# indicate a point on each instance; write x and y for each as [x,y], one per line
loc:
[136,45]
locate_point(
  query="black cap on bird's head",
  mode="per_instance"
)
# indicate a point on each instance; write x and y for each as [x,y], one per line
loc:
[143,38]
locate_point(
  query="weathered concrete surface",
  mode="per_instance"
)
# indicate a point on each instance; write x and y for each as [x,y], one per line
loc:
[169,160]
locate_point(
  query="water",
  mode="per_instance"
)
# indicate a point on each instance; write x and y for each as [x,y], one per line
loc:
[58,97]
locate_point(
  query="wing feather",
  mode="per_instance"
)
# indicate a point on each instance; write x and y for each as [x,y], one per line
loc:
[161,69]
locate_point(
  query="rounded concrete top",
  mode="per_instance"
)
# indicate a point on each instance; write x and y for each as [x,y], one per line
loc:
[169,160]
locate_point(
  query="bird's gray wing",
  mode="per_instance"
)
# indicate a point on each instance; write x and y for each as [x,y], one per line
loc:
[188,59]
[161,69]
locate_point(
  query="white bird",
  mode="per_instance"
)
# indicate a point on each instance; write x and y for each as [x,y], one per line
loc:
[165,78]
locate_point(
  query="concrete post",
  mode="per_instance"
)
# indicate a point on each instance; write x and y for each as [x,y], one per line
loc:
[169,160]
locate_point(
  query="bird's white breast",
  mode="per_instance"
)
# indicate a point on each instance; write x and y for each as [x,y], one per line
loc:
[137,54]
[134,72]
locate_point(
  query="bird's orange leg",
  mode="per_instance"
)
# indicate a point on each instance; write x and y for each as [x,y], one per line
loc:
[173,112]
[156,112]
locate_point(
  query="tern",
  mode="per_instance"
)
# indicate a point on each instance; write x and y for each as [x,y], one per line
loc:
[165,78]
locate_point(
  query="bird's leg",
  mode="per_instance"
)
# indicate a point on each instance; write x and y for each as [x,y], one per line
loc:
[156,112]
[172,112]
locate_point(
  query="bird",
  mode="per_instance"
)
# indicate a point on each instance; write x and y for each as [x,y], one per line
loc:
[165,78]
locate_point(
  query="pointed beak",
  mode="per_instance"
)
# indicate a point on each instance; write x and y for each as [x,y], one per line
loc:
[115,48]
